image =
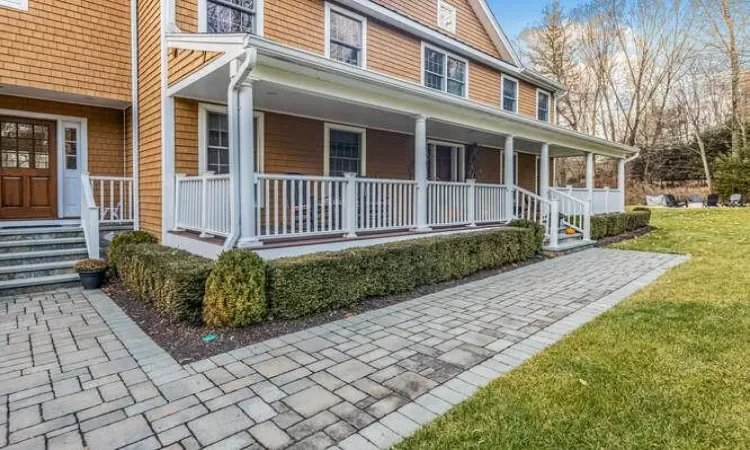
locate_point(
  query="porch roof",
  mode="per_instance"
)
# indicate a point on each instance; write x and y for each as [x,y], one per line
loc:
[332,89]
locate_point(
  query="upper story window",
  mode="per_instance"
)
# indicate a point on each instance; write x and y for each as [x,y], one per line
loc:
[446,16]
[444,71]
[23,5]
[346,36]
[510,94]
[542,105]
[232,16]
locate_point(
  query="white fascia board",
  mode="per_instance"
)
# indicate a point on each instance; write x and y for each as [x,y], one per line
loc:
[207,42]
[497,35]
[297,68]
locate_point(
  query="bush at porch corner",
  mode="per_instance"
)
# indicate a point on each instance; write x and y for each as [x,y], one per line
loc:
[619,223]
[308,284]
[174,280]
[124,239]
[236,290]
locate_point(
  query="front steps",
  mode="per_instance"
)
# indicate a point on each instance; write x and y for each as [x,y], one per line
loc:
[566,244]
[39,256]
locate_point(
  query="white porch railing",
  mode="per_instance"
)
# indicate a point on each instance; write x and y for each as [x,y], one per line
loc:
[572,211]
[448,203]
[114,197]
[490,203]
[203,204]
[89,217]
[385,204]
[603,201]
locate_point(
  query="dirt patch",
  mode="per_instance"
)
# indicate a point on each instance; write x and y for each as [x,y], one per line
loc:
[184,342]
[625,237]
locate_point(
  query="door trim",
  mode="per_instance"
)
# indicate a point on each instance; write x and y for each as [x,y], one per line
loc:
[60,150]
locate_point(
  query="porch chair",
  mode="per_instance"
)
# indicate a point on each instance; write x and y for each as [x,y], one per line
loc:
[114,212]
[735,200]
[712,201]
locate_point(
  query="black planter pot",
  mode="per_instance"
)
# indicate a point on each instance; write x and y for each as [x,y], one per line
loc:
[91,280]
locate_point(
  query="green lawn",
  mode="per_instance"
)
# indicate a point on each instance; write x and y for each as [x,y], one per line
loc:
[667,368]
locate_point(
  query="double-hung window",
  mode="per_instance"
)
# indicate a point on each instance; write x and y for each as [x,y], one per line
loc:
[213,133]
[542,105]
[510,94]
[345,150]
[444,72]
[232,16]
[346,36]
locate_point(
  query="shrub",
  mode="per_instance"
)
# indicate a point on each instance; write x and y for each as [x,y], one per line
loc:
[126,238]
[90,265]
[618,223]
[732,174]
[539,230]
[236,290]
[598,227]
[174,280]
[312,283]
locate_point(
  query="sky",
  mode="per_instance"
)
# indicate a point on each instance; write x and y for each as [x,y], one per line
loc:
[515,15]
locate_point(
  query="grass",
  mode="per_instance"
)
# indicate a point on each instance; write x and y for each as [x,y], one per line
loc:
[668,368]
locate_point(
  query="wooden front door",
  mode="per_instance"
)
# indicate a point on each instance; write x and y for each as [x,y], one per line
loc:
[28,176]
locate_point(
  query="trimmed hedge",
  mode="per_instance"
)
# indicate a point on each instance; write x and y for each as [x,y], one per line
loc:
[174,280]
[619,223]
[127,238]
[236,290]
[307,284]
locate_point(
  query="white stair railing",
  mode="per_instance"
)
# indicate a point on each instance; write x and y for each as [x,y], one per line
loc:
[202,204]
[114,196]
[89,217]
[534,208]
[573,212]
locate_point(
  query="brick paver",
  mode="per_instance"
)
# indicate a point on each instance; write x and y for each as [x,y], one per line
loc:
[76,372]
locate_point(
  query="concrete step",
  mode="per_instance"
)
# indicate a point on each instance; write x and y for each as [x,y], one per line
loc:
[567,247]
[39,233]
[32,245]
[36,270]
[115,227]
[43,256]
[51,280]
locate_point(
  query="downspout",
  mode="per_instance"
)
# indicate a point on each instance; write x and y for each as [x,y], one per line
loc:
[135,125]
[241,74]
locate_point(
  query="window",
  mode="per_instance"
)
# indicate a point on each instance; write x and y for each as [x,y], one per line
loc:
[542,105]
[446,16]
[444,72]
[232,16]
[24,145]
[345,150]
[346,36]
[213,136]
[510,94]
[71,148]
[446,161]
[23,5]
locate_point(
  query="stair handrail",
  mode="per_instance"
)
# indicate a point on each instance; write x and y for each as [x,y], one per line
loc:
[576,213]
[89,217]
[540,212]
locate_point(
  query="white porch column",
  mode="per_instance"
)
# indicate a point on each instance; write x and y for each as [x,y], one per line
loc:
[247,167]
[510,171]
[621,184]
[590,174]
[544,172]
[420,170]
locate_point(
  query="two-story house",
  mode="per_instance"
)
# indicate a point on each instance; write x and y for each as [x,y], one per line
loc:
[287,126]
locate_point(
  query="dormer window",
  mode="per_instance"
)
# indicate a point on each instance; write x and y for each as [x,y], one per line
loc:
[446,16]
[346,36]
[232,16]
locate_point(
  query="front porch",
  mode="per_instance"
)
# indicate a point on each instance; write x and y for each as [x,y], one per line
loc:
[292,154]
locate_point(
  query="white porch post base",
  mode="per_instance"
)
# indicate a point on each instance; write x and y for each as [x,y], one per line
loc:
[249,242]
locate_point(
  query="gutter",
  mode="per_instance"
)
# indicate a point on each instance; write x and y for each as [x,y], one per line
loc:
[634,157]
[242,72]
[135,119]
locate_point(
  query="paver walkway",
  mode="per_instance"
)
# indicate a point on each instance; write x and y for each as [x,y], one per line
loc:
[75,371]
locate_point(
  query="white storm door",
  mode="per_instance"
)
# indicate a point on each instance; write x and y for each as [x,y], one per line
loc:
[71,162]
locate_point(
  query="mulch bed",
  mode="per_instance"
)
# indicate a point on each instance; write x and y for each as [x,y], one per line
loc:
[184,343]
[625,237]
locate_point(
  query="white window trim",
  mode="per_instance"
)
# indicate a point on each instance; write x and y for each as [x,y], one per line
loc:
[444,89]
[203,17]
[504,77]
[345,12]
[203,110]
[440,5]
[327,146]
[458,159]
[549,104]
[22,5]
